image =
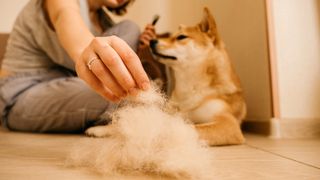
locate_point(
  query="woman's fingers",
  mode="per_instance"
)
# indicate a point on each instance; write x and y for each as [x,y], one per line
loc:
[145,38]
[111,61]
[150,27]
[148,34]
[150,31]
[90,78]
[131,61]
[104,75]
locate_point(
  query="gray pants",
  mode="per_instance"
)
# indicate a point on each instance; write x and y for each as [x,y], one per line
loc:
[55,100]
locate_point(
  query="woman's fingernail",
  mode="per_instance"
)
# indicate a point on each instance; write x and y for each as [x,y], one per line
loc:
[145,85]
[133,91]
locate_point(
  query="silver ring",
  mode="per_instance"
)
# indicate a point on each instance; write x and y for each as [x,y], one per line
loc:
[89,64]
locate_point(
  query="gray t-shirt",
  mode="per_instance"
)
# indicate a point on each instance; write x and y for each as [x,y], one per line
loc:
[33,45]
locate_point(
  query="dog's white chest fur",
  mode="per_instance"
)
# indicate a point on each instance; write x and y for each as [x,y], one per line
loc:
[206,111]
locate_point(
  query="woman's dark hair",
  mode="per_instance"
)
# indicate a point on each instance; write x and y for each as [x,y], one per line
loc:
[121,10]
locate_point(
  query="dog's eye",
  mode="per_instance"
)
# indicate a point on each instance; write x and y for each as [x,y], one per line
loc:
[180,37]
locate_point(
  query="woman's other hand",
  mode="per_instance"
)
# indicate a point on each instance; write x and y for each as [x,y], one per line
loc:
[148,34]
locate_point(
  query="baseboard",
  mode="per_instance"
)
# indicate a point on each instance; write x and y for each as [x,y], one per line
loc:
[257,127]
[285,128]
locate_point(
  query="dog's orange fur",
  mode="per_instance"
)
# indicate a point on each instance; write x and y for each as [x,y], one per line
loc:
[207,88]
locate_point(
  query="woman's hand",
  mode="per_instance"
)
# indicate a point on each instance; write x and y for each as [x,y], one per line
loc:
[112,68]
[107,64]
[148,34]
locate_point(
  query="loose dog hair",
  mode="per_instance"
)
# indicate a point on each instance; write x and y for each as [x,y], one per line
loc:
[145,137]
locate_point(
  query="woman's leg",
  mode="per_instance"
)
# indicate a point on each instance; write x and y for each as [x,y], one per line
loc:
[126,30]
[64,104]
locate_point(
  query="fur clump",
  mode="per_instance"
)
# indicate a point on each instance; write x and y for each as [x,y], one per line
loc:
[146,139]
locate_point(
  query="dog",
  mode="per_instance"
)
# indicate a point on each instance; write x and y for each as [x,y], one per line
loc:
[206,87]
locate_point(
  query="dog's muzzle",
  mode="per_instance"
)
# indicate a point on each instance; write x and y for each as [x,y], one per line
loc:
[153,45]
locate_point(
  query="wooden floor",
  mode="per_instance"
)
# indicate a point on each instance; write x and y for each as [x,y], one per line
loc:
[42,156]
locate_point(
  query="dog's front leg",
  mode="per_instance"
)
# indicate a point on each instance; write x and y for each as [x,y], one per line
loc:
[100,131]
[223,130]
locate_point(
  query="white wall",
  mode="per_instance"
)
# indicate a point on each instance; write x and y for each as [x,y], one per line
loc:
[297,36]
[8,11]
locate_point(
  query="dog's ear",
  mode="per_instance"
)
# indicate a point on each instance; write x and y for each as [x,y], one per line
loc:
[208,25]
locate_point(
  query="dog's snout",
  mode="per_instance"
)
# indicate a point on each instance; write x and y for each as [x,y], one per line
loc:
[153,43]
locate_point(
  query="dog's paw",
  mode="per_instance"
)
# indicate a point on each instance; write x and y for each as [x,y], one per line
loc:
[100,131]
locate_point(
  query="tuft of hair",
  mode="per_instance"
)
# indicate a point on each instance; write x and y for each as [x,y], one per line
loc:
[147,139]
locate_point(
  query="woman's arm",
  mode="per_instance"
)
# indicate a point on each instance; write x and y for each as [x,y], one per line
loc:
[118,70]
[72,32]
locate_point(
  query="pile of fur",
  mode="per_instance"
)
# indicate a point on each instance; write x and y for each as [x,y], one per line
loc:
[147,139]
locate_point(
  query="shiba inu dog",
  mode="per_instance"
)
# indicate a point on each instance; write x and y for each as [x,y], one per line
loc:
[206,88]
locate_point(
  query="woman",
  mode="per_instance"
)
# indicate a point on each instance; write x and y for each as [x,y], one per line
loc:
[62,75]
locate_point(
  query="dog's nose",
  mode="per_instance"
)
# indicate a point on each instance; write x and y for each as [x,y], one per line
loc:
[153,43]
